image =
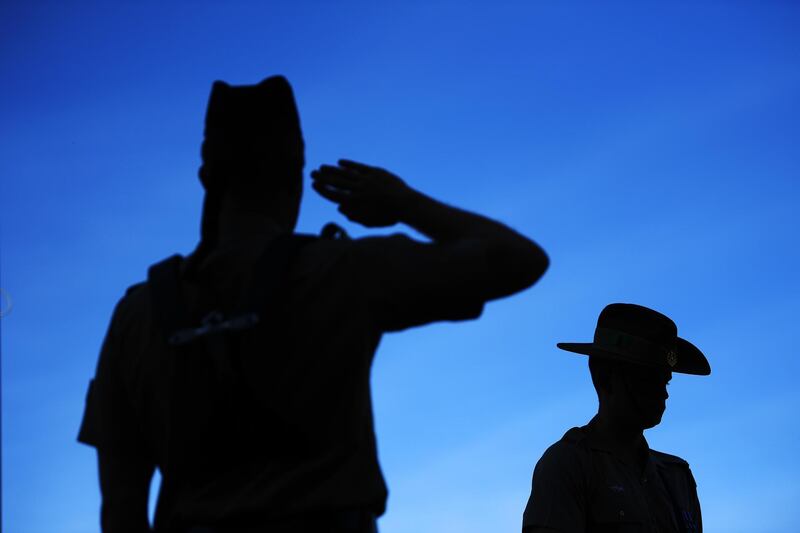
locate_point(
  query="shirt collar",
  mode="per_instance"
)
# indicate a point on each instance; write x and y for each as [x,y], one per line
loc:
[242,226]
[597,441]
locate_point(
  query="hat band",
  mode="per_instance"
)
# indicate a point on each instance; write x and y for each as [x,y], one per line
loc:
[633,346]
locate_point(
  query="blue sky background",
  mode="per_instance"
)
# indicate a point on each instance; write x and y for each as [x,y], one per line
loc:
[650,147]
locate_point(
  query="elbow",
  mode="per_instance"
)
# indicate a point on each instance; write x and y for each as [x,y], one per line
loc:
[530,265]
[517,268]
[538,263]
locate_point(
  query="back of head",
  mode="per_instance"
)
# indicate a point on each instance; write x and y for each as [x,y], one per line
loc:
[601,371]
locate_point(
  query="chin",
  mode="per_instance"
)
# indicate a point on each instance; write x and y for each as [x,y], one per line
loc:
[651,424]
[652,421]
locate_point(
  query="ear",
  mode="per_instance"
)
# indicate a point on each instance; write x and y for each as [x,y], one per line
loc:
[612,384]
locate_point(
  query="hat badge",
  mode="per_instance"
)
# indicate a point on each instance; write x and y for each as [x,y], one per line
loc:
[672,358]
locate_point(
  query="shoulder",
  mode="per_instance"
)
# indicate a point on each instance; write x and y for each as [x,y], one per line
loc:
[568,454]
[131,303]
[134,291]
[329,250]
[575,436]
[668,460]
[573,443]
[132,311]
[676,467]
[320,252]
[560,486]
[130,316]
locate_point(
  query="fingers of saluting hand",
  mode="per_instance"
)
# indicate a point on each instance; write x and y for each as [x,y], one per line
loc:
[336,177]
[330,193]
[356,166]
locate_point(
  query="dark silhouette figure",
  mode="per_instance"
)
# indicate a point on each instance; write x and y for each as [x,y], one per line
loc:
[242,371]
[603,477]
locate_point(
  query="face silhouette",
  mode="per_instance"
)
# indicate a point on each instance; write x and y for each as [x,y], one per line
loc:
[639,394]
[269,177]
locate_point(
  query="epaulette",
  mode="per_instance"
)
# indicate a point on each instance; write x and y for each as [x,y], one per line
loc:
[668,459]
[334,232]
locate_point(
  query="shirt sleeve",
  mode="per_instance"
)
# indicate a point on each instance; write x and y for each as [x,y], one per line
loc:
[697,519]
[558,493]
[410,283]
[109,421]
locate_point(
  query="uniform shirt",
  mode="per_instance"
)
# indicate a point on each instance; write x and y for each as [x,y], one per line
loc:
[581,485]
[343,295]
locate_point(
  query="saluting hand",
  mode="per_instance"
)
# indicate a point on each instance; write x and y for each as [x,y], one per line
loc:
[370,196]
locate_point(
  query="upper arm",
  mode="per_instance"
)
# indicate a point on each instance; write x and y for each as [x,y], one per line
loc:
[690,510]
[409,283]
[558,493]
[109,419]
[110,425]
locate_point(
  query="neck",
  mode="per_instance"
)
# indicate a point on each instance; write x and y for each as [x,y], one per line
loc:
[234,225]
[237,221]
[623,436]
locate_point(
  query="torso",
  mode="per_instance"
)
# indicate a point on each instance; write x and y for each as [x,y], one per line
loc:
[613,494]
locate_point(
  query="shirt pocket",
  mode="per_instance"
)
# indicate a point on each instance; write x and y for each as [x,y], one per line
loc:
[615,515]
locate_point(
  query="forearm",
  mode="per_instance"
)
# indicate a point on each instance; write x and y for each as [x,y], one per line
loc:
[514,261]
[375,197]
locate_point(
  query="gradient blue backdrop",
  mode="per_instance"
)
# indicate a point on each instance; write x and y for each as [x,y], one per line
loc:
[651,148]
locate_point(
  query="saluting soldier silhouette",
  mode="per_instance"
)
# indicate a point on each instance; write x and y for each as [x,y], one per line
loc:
[242,371]
[603,477]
